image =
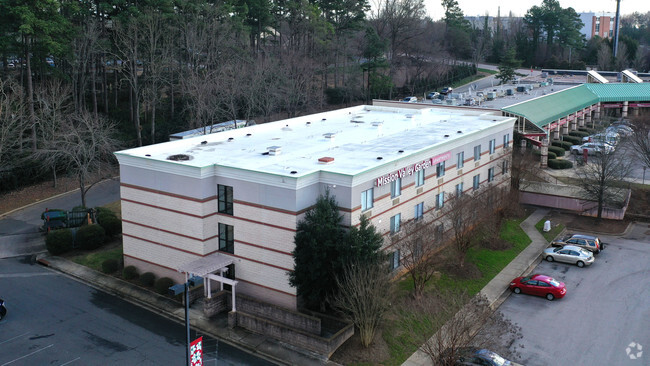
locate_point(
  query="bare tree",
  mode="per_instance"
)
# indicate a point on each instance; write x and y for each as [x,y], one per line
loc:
[460,213]
[456,317]
[602,179]
[12,118]
[417,242]
[524,168]
[364,296]
[604,57]
[83,145]
[640,139]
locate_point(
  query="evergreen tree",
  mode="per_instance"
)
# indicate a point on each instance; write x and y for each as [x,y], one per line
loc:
[507,67]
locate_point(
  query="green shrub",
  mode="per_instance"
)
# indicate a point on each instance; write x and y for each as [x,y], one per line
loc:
[103,211]
[147,279]
[560,164]
[90,237]
[578,133]
[129,272]
[551,155]
[111,224]
[572,139]
[110,265]
[589,131]
[59,241]
[558,151]
[566,145]
[163,284]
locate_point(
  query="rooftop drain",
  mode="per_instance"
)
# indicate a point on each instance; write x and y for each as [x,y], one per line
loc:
[459,131]
[324,119]
[148,155]
[230,138]
[203,142]
[294,172]
[400,151]
[308,123]
[274,150]
[249,134]
[446,135]
[286,128]
[326,160]
[379,158]
[179,157]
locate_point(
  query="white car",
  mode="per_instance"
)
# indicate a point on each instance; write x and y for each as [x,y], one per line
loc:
[593,148]
[410,100]
[569,254]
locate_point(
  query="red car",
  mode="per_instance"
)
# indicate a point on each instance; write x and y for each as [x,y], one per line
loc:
[539,285]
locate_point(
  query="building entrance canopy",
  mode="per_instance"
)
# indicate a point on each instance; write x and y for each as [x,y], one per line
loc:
[205,267]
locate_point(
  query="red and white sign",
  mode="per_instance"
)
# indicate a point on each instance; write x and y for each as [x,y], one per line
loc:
[196,352]
[410,170]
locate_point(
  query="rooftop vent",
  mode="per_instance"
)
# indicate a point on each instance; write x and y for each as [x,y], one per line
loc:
[446,135]
[294,172]
[274,150]
[329,135]
[249,134]
[203,142]
[148,155]
[324,119]
[379,158]
[179,157]
[377,124]
[400,151]
[308,123]
[459,131]
[409,116]
[326,160]
[230,138]
[356,121]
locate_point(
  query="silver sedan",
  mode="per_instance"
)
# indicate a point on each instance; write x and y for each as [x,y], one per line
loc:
[569,254]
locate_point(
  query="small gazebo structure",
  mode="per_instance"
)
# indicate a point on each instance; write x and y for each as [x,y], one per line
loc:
[207,267]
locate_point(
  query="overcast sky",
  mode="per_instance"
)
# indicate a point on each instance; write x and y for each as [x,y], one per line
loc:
[519,7]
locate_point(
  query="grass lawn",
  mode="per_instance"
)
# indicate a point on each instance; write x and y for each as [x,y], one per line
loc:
[488,71]
[400,336]
[556,229]
[95,260]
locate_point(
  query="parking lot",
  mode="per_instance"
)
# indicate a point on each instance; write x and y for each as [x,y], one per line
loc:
[604,315]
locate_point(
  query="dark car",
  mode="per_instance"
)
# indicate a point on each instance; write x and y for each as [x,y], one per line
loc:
[3,309]
[476,356]
[591,243]
[446,90]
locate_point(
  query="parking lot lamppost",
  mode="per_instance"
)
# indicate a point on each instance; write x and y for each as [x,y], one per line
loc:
[185,288]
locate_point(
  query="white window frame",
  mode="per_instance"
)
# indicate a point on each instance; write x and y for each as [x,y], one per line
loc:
[395,223]
[440,169]
[493,146]
[396,188]
[367,199]
[419,178]
[476,182]
[419,211]
[491,174]
[460,160]
[477,152]
[440,200]
[459,189]
[506,140]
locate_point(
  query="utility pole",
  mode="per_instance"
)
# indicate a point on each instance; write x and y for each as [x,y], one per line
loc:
[618,16]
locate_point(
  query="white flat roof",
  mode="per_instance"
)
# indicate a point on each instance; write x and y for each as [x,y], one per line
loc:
[354,137]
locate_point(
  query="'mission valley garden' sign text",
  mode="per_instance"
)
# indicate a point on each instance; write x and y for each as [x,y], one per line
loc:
[410,170]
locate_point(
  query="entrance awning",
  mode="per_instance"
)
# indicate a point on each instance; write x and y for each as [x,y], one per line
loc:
[208,264]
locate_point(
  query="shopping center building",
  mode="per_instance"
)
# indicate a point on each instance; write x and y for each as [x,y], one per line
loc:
[232,200]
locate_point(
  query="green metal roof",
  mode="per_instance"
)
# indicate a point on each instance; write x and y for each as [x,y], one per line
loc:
[621,92]
[546,109]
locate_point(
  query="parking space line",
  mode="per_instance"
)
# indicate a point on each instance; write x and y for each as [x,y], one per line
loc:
[27,355]
[71,361]
[11,339]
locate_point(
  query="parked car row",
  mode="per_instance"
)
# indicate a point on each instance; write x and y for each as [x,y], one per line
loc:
[575,249]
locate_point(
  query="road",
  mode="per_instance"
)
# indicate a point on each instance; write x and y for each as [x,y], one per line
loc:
[55,320]
[606,308]
[19,233]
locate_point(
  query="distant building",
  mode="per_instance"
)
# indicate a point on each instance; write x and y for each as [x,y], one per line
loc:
[598,25]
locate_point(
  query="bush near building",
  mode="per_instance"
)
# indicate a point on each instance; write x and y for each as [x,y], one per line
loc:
[90,237]
[589,131]
[558,151]
[559,164]
[147,279]
[59,241]
[551,155]
[566,145]
[574,140]
[110,265]
[578,133]
[163,284]
[109,221]
[129,273]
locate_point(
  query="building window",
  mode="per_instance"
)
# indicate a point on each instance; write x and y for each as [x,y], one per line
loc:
[366,200]
[419,211]
[477,181]
[504,167]
[225,199]
[506,140]
[477,152]
[597,27]
[395,223]
[226,238]
[440,200]
[440,169]
[491,174]
[460,159]
[419,178]
[493,145]
[459,189]
[396,188]
[394,260]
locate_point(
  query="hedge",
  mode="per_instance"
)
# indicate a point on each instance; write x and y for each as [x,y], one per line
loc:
[589,131]
[580,134]
[163,284]
[566,145]
[559,164]
[551,155]
[110,265]
[129,272]
[574,140]
[558,151]
[147,279]
[111,224]
[59,241]
[90,237]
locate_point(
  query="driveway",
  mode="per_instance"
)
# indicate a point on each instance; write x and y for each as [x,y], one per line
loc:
[606,309]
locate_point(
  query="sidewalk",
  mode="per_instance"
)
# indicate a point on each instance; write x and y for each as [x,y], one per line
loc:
[259,345]
[496,290]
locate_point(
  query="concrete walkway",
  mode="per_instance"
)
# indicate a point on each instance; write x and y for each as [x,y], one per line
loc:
[496,290]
